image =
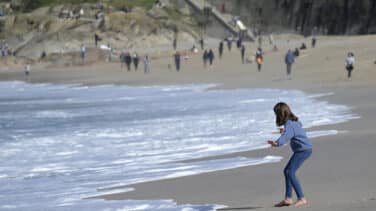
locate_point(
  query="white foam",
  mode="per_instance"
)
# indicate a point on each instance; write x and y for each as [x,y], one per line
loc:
[260,100]
[318,95]
[108,192]
[319,133]
[66,153]
[53,114]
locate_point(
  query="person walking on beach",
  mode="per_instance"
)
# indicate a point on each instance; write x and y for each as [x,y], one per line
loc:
[242,53]
[136,60]
[296,52]
[27,69]
[289,60]
[202,43]
[122,59]
[220,49]
[177,61]
[239,43]
[205,57]
[4,49]
[128,60]
[259,59]
[146,61]
[110,52]
[313,43]
[229,43]
[350,61]
[302,149]
[211,57]
[83,53]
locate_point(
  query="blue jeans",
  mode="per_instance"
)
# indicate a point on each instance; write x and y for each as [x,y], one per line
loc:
[292,166]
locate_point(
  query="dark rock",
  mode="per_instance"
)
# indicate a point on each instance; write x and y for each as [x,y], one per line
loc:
[306,16]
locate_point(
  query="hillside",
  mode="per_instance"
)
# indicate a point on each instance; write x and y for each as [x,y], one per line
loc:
[60,29]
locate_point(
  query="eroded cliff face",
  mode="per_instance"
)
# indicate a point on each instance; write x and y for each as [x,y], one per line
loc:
[328,16]
[49,30]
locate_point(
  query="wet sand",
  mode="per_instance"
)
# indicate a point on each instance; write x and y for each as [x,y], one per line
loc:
[341,173]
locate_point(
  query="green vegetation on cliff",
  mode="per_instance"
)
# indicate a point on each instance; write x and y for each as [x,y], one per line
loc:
[147,4]
[29,5]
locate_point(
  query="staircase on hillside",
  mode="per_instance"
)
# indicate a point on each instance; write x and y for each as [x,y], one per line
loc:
[224,19]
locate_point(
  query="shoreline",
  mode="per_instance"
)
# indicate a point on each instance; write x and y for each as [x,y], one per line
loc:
[340,174]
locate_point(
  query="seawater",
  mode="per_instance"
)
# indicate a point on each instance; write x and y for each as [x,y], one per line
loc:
[60,144]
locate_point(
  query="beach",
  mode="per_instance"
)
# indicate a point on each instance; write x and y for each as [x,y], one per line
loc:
[339,176]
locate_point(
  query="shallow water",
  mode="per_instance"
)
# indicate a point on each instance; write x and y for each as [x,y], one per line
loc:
[59,144]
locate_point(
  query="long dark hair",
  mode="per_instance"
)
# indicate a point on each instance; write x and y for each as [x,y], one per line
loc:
[283,113]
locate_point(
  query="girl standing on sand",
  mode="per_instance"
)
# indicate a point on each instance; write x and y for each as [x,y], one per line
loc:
[301,147]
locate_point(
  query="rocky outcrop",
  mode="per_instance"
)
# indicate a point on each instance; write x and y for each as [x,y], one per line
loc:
[49,31]
[328,16]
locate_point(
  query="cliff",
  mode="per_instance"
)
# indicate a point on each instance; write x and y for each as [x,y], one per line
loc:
[328,16]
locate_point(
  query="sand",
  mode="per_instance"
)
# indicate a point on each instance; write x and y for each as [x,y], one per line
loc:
[342,170]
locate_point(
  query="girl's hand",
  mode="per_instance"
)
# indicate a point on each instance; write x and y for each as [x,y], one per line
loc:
[272,143]
[281,130]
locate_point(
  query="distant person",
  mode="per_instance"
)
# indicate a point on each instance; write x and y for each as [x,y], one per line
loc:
[122,59]
[27,69]
[301,146]
[194,49]
[96,39]
[110,51]
[303,46]
[158,4]
[81,13]
[296,52]
[242,53]
[136,60]
[223,8]
[275,48]
[71,14]
[146,62]
[271,39]
[128,60]
[211,57]
[174,43]
[350,61]
[220,49]
[205,57]
[239,43]
[83,53]
[259,59]
[42,56]
[313,43]
[202,43]
[4,49]
[235,19]
[289,60]
[229,43]
[177,60]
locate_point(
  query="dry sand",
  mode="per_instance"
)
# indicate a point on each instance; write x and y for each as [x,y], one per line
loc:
[341,175]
